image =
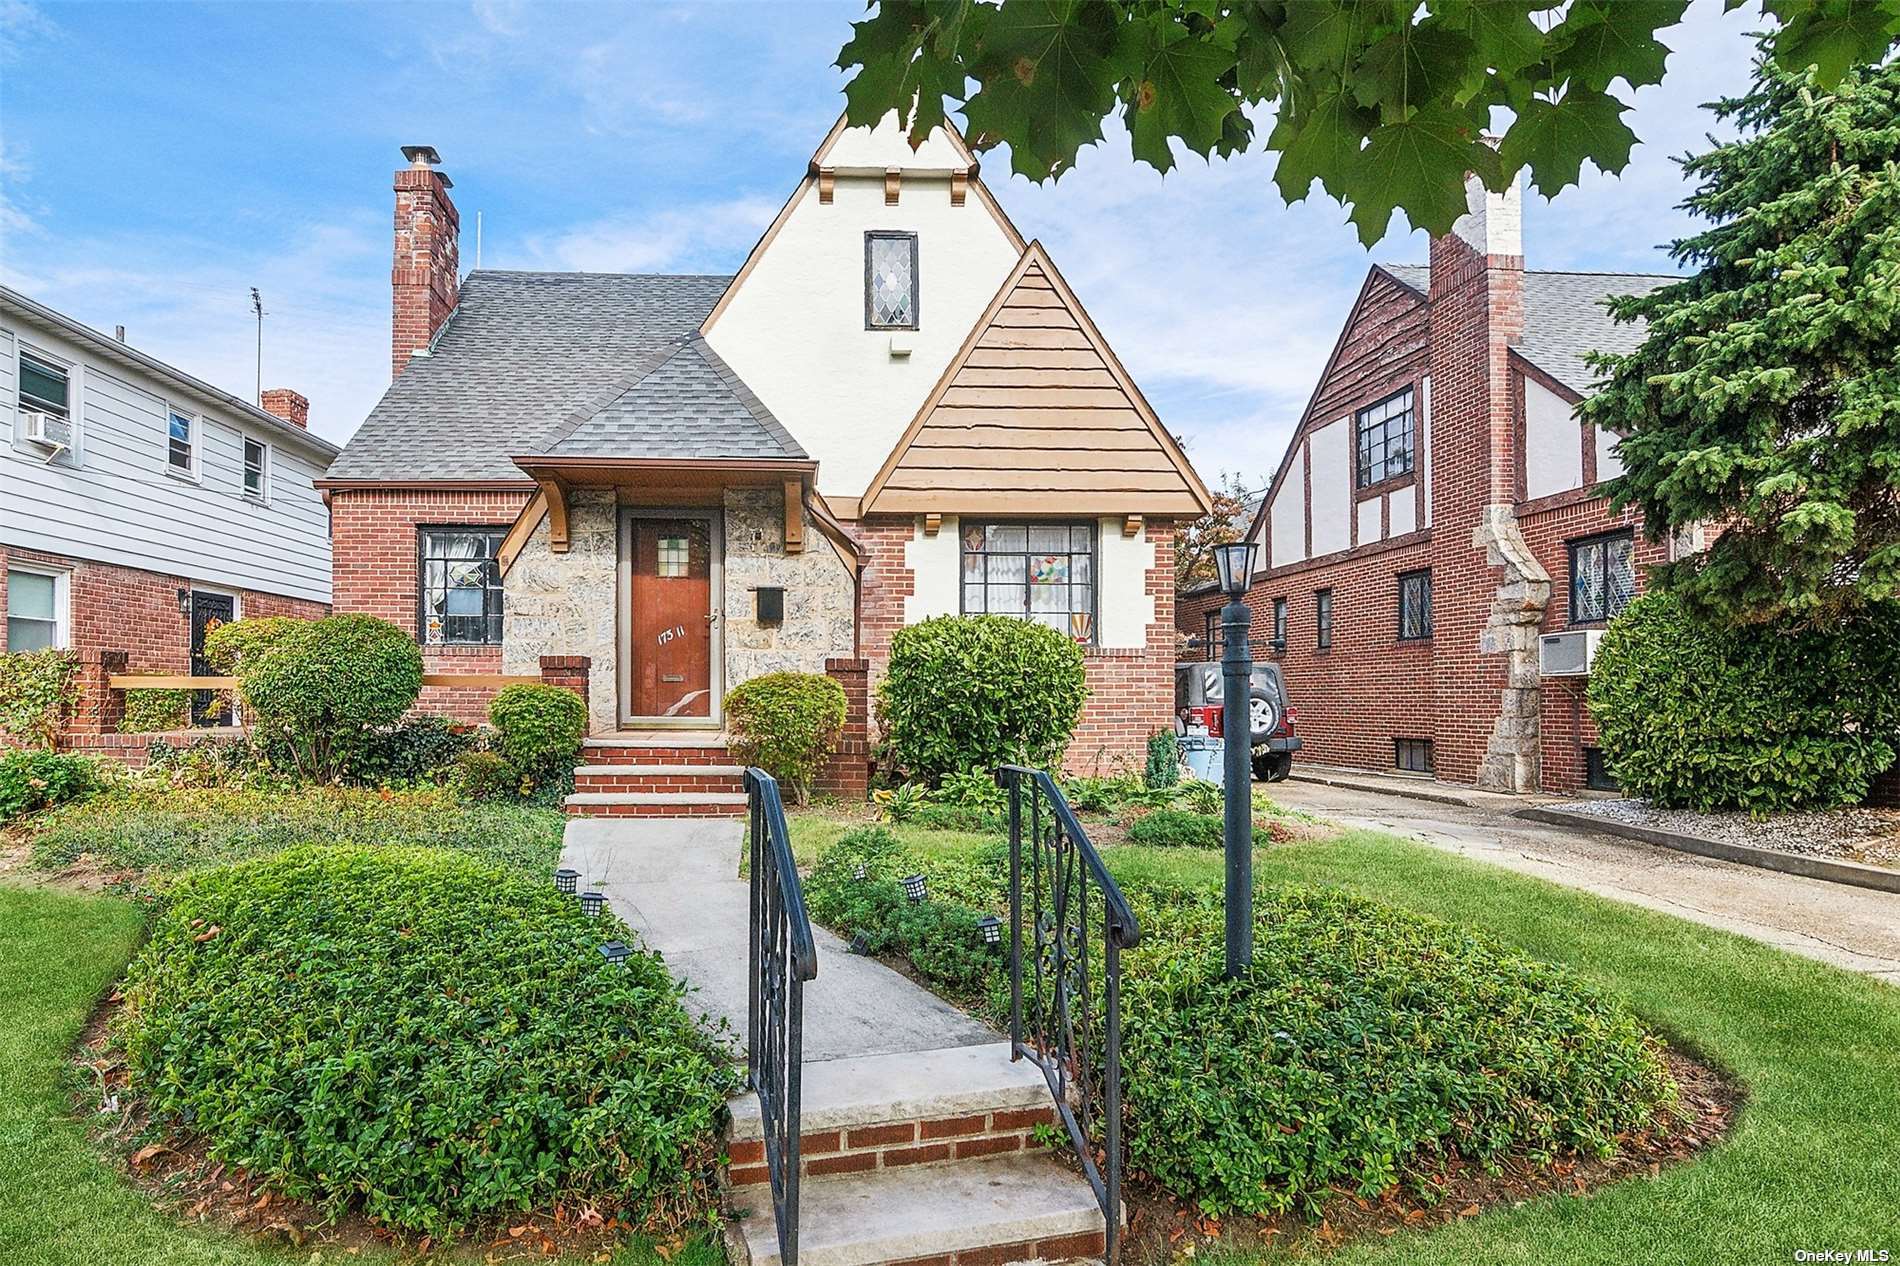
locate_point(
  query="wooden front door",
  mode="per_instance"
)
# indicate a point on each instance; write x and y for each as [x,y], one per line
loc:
[670,623]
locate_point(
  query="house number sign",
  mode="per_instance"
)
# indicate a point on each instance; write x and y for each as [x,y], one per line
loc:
[668,635]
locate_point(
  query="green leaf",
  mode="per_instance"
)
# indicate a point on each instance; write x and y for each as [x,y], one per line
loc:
[1505,37]
[1319,143]
[1180,94]
[1833,35]
[1324,36]
[1049,69]
[1420,165]
[909,59]
[1606,40]
[1411,67]
[1553,139]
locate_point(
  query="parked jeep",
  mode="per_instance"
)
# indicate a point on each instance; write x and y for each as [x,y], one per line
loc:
[1198,688]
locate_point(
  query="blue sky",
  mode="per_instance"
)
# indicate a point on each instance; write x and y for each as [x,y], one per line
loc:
[159,159]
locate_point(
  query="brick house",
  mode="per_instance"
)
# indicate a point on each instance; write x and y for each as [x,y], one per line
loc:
[141,504]
[897,408]
[1437,511]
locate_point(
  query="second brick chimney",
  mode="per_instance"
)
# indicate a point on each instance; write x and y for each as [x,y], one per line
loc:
[423,279]
[289,405]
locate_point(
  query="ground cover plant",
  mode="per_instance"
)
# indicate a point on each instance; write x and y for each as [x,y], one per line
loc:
[1177,828]
[423,1035]
[32,779]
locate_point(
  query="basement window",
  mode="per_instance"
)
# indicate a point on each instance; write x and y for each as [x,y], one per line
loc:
[1596,771]
[890,281]
[1043,572]
[461,586]
[1412,756]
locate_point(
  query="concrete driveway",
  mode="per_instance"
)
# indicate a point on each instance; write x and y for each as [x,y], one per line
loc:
[1855,928]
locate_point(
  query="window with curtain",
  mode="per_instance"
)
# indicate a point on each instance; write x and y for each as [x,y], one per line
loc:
[1036,571]
[461,586]
[1602,577]
[36,619]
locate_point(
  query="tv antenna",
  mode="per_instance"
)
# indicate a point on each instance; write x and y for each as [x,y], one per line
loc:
[257,306]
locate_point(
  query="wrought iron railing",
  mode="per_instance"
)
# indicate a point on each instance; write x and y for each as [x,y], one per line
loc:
[1065,992]
[782,958]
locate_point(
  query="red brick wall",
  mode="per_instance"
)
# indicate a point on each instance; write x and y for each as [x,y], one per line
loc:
[423,274]
[373,571]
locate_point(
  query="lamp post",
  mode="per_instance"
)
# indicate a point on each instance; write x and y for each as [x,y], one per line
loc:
[1235,562]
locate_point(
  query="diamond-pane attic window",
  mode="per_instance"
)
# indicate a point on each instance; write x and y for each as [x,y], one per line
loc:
[890,281]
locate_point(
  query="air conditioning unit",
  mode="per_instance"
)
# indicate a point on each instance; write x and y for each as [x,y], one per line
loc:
[1568,654]
[48,430]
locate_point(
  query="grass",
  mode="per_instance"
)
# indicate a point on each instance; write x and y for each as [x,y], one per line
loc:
[1814,1161]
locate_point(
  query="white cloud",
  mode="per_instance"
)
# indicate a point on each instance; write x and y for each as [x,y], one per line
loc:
[702,238]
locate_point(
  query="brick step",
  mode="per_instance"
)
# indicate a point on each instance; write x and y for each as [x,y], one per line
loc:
[724,778]
[656,804]
[673,749]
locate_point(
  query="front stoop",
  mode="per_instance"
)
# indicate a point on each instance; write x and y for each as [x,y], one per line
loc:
[660,775]
[916,1157]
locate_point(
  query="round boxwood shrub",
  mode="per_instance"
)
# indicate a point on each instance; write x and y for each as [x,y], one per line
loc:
[231,645]
[323,687]
[787,724]
[423,1035]
[538,728]
[1366,1047]
[1697,715]
[977,691]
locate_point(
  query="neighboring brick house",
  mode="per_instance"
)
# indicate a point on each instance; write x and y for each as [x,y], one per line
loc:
[1437,511]
[896,409]
[140,504]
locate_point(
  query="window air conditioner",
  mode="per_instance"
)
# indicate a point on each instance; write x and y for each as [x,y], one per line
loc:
[48,430]
[1568,654]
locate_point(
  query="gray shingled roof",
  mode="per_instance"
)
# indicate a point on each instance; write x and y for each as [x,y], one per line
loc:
[1564,317]
[684,401]
[521,354]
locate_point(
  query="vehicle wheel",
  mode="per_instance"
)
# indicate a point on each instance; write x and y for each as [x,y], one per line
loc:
[1263,715]
[1273,766]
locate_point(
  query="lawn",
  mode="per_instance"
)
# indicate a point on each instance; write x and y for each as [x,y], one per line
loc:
[1813,1163]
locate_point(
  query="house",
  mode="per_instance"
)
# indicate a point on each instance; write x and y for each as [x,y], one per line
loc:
[897,408]
[1438,511]
[139,505]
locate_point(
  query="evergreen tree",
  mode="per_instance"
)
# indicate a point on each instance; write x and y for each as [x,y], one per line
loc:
[1765,398]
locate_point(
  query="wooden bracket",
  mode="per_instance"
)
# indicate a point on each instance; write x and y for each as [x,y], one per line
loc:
[1131,526]
[933,524]
[827,185]
[794,517]
[893,181]
[556,493]
[959,187]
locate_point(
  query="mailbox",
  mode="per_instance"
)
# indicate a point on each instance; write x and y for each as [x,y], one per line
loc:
[771,604]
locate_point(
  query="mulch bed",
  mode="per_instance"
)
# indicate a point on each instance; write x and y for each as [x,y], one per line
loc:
[1861,833]
[1162,1229]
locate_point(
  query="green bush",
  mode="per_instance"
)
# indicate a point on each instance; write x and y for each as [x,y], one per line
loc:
[232,646]
[32,780]
[424,1036]
[417,748]
[901,803]
[974,692]
[1177,828]
[1164,760]
[37,689]
[1100,795]
[538,728]
[1366,1047]
[323,687]
[486,776]
[155,711]
[787,724]
[1696,715]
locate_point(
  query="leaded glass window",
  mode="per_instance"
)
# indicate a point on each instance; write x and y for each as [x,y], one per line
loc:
[673,556]
[461,586]
[1323,618]
[1035,571]
[890,281]
[1385,438]
[1602,577]
[1415,605]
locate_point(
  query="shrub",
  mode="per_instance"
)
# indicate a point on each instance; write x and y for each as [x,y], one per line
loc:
[974,692]
[37,689]
[235,644]
[154,711]
[35,780]
[424,1035]
[1177,828]
[1697,715]
[787,724]
[486,776]
[538,728]
[1367,1046]
[1100,795]
[207,762]
[419,747]
[323,686]
[1164,760]
[1203,796]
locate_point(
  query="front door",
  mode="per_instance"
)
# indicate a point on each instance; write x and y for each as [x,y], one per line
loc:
[208,611]
[671,618]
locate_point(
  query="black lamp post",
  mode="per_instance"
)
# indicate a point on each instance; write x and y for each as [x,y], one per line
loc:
[1235,562]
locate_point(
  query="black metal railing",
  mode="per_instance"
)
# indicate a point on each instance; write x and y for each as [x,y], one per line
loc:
[1065,994]
[782,958]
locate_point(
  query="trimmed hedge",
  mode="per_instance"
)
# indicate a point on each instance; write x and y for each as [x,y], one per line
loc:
[322,687]
[977,691]
[424,1036]
[538,728]
[787,724]
[1697,715]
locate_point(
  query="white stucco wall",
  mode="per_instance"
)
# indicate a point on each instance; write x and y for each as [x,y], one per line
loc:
[1609,464]
[1553,442]
[1288,516]
[1404,513]
[1370,511]
[1126,606]
[936,569]
[1332,487]
[794,330]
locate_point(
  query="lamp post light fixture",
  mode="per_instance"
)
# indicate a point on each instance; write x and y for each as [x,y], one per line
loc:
[914,888]
[567,881]
[991,929]
[1235,563]
[593,903]
[616,953]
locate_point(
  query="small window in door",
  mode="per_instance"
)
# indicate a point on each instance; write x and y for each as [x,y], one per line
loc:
[674,556]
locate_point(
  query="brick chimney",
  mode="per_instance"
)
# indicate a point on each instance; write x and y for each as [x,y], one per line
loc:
[289,405]
[423,279]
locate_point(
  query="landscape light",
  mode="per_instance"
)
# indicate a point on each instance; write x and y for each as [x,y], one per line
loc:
[593,904]
[914,888]
[992,929]
[566,881]
[617,953]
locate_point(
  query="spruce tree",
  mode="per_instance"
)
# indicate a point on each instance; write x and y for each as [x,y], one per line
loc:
[1764,400]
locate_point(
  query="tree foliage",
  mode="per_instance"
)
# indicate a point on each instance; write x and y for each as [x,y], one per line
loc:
[1766,395]
[1384,102]
[1225,523]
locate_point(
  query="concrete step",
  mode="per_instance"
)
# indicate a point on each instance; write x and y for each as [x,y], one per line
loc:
[969,1213]
[656,804]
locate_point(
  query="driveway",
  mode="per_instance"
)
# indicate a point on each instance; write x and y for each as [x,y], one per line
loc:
[1855,928]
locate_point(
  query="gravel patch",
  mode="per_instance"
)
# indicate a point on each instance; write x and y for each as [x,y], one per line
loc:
[1871,836]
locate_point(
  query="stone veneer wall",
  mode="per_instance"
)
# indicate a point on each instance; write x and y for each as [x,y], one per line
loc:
[568,604]
[819,595]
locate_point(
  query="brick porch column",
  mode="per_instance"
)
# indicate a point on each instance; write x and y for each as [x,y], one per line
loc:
[99,708]
[848,772]
[567,670]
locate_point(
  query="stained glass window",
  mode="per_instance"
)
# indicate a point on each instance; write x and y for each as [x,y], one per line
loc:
[675,557]
[1602,577]
[890,281]
[461,586]
[1385,438]
[1036,571]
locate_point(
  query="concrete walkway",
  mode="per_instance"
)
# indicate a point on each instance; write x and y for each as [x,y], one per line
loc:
[676,882]
[1855,928]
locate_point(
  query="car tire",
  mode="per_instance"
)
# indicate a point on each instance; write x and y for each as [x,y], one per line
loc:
[1272,766]
[1263,715]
